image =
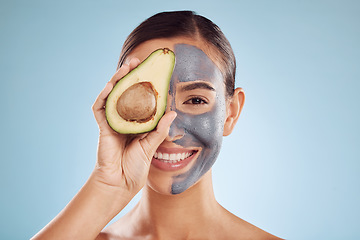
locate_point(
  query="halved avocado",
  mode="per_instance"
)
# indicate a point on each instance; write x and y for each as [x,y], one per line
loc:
[138,100]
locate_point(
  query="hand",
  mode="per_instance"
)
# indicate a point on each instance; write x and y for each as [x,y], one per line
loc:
[123,161]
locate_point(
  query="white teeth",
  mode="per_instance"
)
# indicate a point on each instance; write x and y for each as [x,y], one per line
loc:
[171,158]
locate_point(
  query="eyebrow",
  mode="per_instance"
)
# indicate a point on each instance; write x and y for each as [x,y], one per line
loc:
[197,85]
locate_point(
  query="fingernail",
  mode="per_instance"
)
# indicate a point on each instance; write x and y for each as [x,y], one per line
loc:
[175,114]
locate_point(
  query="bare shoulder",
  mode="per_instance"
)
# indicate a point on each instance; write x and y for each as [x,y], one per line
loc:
[241,229]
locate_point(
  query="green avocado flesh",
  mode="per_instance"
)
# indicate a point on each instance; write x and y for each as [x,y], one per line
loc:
[138,100]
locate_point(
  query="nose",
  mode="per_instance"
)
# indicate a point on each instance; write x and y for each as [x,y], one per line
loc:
[176,131]
[170,103]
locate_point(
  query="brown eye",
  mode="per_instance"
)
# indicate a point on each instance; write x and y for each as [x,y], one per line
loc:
[195,101]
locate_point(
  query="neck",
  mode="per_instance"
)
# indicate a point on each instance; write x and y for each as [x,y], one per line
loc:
[176,215]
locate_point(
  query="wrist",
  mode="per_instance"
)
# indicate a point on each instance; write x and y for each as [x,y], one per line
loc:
[118,194]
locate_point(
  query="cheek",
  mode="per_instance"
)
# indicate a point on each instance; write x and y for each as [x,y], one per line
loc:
[204,130]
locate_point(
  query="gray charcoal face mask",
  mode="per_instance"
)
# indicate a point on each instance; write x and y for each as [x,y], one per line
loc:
[205,130]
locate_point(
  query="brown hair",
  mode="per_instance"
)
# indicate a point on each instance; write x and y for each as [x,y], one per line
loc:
[187,24]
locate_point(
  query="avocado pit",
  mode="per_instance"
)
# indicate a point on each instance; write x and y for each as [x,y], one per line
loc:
[138,102]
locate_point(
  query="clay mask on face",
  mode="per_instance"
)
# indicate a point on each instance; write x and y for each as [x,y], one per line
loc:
[205,130]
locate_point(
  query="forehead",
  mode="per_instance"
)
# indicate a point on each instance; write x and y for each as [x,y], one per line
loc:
[192,58]
[146,48]
[193,64]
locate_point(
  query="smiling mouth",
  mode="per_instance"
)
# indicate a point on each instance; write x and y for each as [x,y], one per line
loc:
[173,157]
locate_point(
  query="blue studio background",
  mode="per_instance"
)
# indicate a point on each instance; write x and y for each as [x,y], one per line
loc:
[291,165]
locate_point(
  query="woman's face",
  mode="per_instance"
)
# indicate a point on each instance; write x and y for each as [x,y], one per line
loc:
[197,94]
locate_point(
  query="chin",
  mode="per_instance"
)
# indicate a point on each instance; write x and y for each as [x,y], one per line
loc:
[163,189]
[163,183]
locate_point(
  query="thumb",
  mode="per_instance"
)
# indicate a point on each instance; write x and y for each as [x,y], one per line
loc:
[152,140]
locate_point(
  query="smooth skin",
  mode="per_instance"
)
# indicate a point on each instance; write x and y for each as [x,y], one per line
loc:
[123,168]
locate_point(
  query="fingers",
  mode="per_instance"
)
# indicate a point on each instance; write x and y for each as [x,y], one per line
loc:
[152,141]
[98,106]
[134,63]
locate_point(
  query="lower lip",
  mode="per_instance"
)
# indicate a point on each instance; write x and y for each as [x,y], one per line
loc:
[168,166]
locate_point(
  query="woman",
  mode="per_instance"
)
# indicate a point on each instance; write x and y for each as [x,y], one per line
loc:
[172,164]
